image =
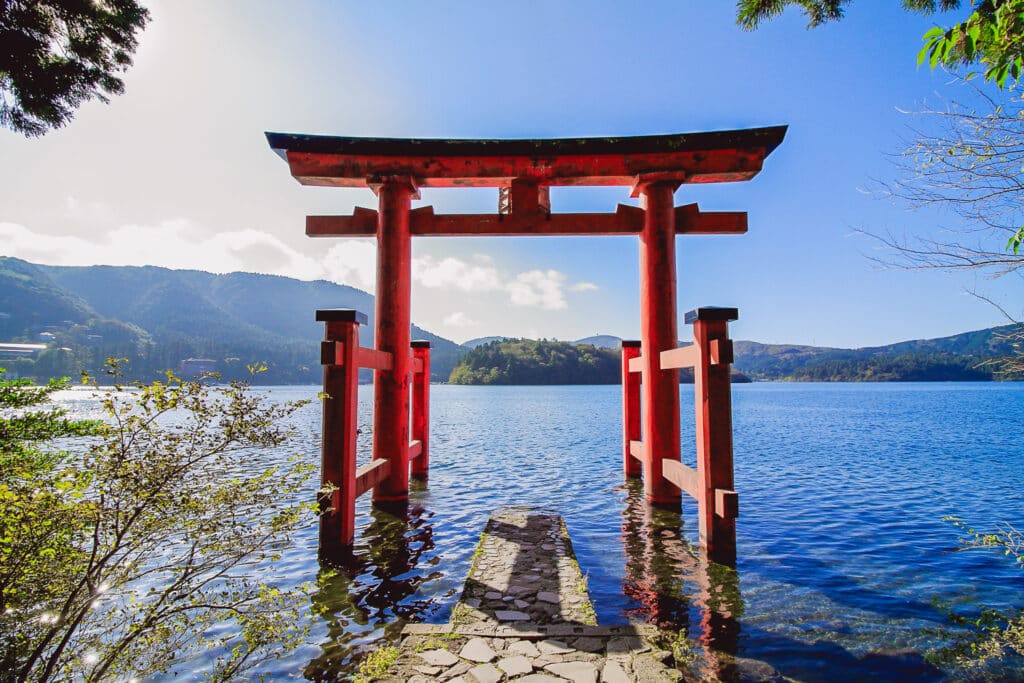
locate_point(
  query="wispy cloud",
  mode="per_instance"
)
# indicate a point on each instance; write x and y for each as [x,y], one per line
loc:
[584,287]
[458,319]
[541,288]
[453,273]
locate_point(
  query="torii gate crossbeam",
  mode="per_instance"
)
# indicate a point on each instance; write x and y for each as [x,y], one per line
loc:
[653,166]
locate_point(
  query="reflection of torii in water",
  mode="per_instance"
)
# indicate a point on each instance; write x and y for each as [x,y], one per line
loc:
[523,171]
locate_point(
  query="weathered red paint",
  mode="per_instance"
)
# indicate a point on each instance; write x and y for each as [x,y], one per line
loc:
[630,408]
[713,409]
[524,171]
[658,332]
[421,408]
[393,318]
[338,444]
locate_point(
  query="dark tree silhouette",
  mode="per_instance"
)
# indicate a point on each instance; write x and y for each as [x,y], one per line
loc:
[56,54]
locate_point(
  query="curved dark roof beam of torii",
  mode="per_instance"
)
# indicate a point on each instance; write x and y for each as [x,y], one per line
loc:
[524,170]
[715,157]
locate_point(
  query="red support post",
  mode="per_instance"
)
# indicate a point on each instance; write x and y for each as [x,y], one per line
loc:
[713,407]
[421,408]
[338,445]
[630,409]
[658,332]
[393,318]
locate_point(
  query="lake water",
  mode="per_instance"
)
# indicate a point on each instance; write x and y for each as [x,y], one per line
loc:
[842,545]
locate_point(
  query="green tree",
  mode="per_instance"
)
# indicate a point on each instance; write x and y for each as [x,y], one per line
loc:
[144,546]
[56,54]
[993,633]
[991,36]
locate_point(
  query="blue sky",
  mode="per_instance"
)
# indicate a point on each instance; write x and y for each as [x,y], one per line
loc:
[176,172]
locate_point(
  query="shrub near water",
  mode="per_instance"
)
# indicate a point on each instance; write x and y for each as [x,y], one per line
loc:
[116,562]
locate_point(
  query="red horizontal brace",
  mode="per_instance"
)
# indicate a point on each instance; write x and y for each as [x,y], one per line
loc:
[681,476]
[417,365]
[690,220]
[371,474]
[720,351]
[627,220]
[682,357]
[415,449]
[727,504]
[373,359]
[636,449]
[636,364]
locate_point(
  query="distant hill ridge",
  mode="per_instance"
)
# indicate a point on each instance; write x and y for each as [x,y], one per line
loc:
[158,317]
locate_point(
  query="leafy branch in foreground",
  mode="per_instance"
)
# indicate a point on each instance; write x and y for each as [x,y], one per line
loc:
[992,35]
[150,544]
[993,633]
[55,55]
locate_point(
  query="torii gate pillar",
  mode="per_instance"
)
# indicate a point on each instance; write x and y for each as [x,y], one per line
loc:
[392,321]
[658,332]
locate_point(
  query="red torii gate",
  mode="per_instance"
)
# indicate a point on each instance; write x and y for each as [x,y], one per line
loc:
[523,171]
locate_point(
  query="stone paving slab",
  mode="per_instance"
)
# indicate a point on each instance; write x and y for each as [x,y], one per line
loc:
[524,571]
[525,566]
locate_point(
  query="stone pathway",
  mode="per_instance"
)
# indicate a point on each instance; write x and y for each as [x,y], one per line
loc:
[525,615]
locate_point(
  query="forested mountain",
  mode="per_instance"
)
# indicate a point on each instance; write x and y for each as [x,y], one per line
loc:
[958,357]
[157,317]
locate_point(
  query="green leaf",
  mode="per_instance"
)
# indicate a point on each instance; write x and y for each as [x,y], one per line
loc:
[1013,244]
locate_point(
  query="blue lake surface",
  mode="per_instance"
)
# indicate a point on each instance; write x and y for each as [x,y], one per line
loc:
[842,544]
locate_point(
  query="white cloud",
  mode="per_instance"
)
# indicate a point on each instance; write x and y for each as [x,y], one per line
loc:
[584,287]
[453,273]
[353,262]
[458,319]
[541,288]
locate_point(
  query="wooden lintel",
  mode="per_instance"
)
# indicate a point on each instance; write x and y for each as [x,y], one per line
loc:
[692,221]
[727,504]
[373,359]
[636,449]
[636,364]
[371,474]
[415,449]
[682,357]
[681,476]
[627,220]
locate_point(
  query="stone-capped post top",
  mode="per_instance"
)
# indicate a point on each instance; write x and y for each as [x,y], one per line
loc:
[708,313]
[340,315]
[420,344]
[630,344]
